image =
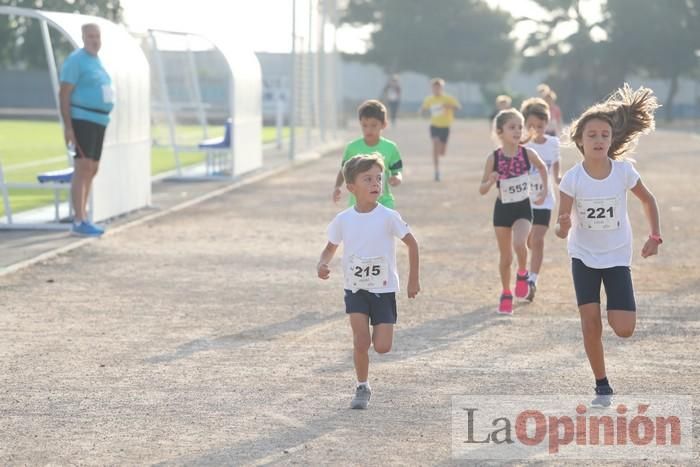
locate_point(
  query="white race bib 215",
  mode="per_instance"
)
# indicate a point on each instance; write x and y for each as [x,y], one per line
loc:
[366,273]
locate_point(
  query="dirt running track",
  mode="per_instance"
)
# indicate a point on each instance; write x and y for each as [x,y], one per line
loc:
[205,338]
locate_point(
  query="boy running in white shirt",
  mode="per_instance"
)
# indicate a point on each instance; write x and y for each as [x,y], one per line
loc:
[368,230]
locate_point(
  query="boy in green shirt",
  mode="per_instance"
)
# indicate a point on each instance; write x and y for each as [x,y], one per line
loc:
[372,115]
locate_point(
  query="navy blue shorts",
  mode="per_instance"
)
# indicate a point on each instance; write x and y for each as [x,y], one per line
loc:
[380,307]
[616,280]
[541,216]
[441,133]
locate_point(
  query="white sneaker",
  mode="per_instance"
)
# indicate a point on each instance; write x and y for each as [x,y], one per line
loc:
[362,396]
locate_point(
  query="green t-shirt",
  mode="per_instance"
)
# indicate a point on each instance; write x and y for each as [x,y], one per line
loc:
[392,164]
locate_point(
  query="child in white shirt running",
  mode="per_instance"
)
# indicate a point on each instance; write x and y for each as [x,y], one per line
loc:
[599,232]
[368,230]
[536,114]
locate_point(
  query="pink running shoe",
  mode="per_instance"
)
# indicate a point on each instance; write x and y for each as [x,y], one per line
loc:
[521,286]
[506,305]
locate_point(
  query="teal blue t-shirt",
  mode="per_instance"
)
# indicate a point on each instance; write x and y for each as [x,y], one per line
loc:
[93,95]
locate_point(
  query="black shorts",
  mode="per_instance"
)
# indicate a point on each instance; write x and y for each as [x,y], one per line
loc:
[505,215]
[380,307]
[616,280]
[541,217]
[90,137]
[441,133]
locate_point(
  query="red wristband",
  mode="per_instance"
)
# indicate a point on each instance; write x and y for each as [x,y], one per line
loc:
[656,238]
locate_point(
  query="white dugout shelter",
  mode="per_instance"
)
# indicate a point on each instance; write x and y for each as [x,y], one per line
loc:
[123,183]
[244,91]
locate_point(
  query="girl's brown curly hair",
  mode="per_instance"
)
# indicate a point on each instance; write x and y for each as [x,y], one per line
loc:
[630,113]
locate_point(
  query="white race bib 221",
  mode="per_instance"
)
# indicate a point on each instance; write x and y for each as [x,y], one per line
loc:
[598,213]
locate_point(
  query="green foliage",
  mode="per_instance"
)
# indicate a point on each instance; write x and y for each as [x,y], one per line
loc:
[461,40]
[658,39]
[577,66]
[21,44]
[649,37]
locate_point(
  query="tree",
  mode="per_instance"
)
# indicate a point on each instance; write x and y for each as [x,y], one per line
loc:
[21,43]
[658,38]
[578,67]
[461,40]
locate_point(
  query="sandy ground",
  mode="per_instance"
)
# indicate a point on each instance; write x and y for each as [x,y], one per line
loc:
[205,338]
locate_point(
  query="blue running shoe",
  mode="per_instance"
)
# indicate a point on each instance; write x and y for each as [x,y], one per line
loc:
[96,227]
[84,229]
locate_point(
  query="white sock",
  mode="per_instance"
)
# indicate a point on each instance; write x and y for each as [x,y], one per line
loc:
[363,383]
[533,277]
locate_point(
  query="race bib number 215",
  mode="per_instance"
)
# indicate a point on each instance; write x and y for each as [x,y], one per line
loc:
[366,273]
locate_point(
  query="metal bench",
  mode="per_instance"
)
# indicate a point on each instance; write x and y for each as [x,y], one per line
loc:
[56,180]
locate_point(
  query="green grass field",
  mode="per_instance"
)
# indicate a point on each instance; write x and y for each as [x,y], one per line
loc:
[31,147]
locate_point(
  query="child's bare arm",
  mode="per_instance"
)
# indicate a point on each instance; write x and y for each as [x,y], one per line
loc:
[413,262]
[395,180]
[490,177]
[564,218]
[651,210]
[556,172]
[322,268]
[339,179]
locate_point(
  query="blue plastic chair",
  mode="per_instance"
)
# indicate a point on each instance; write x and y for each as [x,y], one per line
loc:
[219,142]
[217,151]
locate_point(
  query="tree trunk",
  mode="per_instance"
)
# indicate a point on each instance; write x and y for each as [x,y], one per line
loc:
[673,90]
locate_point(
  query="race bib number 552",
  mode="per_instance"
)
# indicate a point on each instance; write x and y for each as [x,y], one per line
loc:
[366,273]
[598,213]
[514,189]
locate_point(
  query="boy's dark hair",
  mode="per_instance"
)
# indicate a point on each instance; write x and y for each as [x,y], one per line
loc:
[630,114]
[372,109]
[361,163]
[537,107]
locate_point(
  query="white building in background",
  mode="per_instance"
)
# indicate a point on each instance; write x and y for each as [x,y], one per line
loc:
[359,81]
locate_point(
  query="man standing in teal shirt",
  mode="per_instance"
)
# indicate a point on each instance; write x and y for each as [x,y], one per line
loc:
[86,98]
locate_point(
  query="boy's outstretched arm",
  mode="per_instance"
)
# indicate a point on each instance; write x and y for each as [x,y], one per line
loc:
[413,262]
[322,268]
[339,179]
